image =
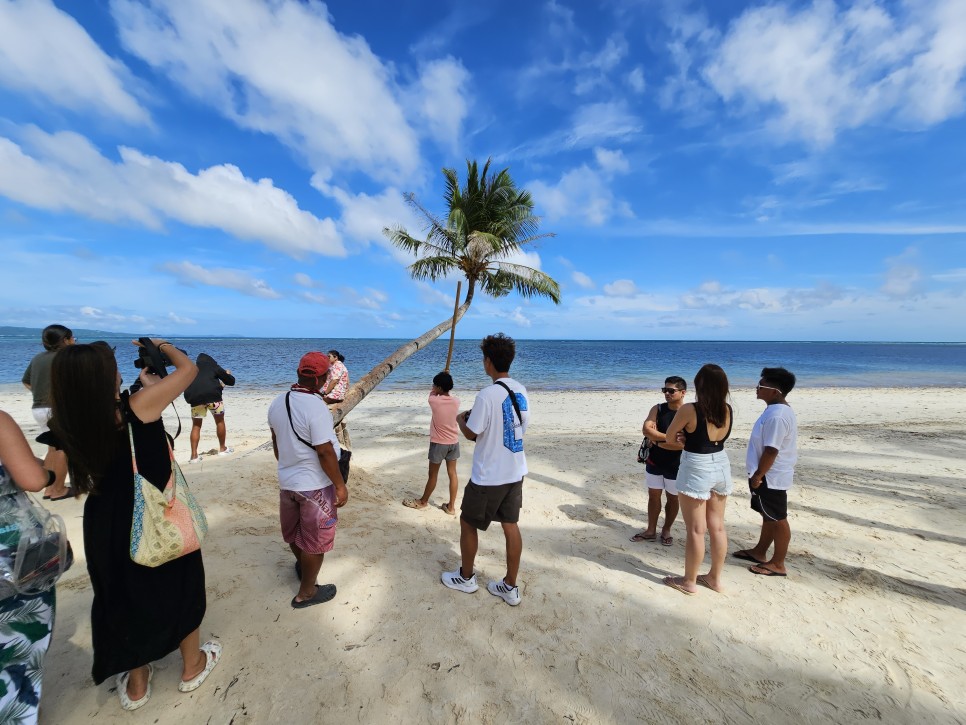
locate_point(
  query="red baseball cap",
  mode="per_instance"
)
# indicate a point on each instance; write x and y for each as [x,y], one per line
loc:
[313,364]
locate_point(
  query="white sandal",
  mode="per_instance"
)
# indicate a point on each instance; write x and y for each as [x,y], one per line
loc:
[126,702]
[212,652]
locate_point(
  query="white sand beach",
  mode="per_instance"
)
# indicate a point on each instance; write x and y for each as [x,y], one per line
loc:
[869,625]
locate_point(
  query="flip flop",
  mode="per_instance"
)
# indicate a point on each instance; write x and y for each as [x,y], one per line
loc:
[703,581]
[671,582]
[745,556]
[323,593]
[411,503]
[764,572]
[447,511]
[641,536]
[59,498]
[667,540]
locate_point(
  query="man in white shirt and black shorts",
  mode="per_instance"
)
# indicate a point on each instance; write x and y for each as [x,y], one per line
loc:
[771,458]
[312,489]
[497,421]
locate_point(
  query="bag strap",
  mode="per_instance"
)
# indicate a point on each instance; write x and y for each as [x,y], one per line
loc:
[513,399]
[288,409]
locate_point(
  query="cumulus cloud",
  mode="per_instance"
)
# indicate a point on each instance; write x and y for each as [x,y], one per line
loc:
[235,279]
[611,161]
[635,79]
[282,68]
[303,280]
[102,316]
[45,52]
[582,193]
[582,280]
[181,320]
[823,68]
[440,98]
[67,173]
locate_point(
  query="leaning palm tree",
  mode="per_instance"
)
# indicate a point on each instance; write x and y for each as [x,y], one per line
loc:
[489,219]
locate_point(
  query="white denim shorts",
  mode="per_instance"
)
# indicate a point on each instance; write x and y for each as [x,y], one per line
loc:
[702,473]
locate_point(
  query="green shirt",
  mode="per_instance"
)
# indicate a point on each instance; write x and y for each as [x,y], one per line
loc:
[37,376]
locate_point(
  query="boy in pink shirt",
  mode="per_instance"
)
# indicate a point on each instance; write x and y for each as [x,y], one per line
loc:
[443,443]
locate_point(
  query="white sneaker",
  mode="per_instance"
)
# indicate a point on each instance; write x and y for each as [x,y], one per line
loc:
[455,580]
[195,460]
[510,595]
[227,452]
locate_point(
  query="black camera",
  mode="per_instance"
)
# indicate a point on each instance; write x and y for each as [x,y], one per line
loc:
[151,359]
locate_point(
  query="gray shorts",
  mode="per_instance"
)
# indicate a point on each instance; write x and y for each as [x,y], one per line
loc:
[438,452]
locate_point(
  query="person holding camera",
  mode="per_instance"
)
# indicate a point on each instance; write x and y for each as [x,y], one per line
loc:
[204,394]
[26,621]
[139,614]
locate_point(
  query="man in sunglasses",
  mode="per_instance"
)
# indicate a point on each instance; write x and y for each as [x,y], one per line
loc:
[661,470]
[772,453]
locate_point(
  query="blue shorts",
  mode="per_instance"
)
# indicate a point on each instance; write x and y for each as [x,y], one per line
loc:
[702,473]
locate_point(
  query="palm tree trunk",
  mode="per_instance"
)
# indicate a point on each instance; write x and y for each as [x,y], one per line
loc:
[452,330]
[367,384]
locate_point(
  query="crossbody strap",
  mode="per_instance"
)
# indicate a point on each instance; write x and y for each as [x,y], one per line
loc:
[288,409]
[513,399]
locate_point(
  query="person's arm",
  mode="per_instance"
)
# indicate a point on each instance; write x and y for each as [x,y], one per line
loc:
[150,401]
[26,377]
[330,466]
[767,460]
[225,376]
[461,422]
[18,459]
[682,419]
[650,427]
[274,445]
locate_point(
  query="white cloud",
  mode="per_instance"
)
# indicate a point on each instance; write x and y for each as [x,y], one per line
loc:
[364,216]
[441,100]
[101,316]
[302,279]
[280,68]
[952,275]
[234,279]
[67,173]
[621,288]
[581,193]
[821,69]
[611,162]
[635,79]
[903,278]
[181,320]
[45,52]
[582,280]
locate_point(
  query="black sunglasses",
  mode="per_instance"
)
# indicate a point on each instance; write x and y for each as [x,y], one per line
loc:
[670,391]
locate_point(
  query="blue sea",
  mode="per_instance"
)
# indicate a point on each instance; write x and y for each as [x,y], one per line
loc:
[564,364]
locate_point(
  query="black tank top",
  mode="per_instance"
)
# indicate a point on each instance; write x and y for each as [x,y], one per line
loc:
[660,457]
[698,441]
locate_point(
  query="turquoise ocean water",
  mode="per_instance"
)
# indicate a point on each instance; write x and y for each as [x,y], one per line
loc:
[565,364]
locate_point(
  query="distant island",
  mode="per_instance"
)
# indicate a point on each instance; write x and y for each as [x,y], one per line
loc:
[10,331]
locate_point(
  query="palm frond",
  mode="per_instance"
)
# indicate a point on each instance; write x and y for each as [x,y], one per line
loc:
[434,267]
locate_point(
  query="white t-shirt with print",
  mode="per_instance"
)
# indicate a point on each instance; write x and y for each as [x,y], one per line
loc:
[498,457]
[776,427]
[298,465]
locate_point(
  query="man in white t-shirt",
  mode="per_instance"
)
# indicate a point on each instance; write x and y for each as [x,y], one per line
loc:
[772,453]
[497,421]
[311,485]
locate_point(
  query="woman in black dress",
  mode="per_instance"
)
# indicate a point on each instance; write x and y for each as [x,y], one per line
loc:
[139,614]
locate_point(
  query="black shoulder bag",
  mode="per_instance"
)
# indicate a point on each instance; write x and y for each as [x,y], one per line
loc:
[513,399]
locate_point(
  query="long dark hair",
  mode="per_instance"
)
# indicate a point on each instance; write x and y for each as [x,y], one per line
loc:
[711,389]
[338,355]
[55,337]
[83,387]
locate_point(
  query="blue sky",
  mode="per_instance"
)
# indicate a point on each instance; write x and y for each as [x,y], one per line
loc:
[711,170]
